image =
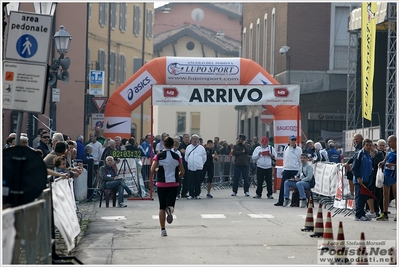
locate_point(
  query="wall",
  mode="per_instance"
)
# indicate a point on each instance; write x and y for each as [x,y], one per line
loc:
[181,13]
[70,109]
[128,44]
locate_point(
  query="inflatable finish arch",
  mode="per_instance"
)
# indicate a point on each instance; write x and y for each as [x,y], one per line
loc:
[186,70]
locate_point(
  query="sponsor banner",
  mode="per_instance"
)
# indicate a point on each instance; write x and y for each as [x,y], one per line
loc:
[225,95]
[260,79]
[340,201]
[138,88]
[280,150]
[368,56]
[186,70]
[360,252]
[372,133]
[130,171]
[326,116]
[286,127]
[117,124]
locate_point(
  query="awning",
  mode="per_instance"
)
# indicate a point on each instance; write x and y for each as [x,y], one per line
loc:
[355,17]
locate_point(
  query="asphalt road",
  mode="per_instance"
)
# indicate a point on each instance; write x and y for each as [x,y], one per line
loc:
[223,230]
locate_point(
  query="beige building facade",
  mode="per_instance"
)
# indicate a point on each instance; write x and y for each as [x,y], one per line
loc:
[120,48]
[195,34]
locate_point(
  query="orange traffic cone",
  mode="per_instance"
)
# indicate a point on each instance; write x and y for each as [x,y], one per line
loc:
[362,251]
[340,253]
[309,226]
[328,238]
[318,227]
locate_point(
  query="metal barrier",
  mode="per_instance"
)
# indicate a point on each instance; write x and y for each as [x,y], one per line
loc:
[224,173]
[93,178]
[32,241]
[29,230]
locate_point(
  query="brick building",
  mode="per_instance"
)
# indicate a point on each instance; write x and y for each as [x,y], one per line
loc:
[305,44]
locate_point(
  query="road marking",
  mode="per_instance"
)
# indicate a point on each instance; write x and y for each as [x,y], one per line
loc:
[261,216]
[213,216]
[113,218]
[156,217]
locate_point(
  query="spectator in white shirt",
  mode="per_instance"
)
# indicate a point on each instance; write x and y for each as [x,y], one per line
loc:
[291,165]
[195,157]
[263,156]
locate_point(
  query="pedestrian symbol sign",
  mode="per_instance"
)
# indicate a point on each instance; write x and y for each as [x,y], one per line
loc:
[26,46]
[28,37]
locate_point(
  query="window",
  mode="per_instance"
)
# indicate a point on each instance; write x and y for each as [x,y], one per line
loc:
[249,128]
[122,69]
[148,28]
[133,130]
[272,42]
[136,64]
[195,122]
[136,19]
[190,46]
[113,15]
[316,126]
[181,123]
[264,42]
[251,39]
[256,122]
[339,37]
[101,59]
[257,41]
[112,66]
[244,44]
[242,127]
[122,17]
[102,17]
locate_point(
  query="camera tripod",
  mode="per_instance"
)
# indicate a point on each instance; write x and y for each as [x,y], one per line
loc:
[125,164]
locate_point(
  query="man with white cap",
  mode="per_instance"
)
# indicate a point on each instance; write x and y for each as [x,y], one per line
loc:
[291,165]
[263,156]
[310,150]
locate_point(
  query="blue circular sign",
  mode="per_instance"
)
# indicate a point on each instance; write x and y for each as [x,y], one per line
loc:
[99,124]
[26,46]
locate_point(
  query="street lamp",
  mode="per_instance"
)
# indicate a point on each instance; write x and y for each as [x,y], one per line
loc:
[47,8]
[284,51]
[62,40]
[12,6]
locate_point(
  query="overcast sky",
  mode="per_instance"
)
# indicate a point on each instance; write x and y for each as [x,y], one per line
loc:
[159,3]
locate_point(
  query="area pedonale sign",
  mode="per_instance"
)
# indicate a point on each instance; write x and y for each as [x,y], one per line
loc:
[217,95]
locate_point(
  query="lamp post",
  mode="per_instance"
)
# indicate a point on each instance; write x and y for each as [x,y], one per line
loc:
[284,51]
[59,69]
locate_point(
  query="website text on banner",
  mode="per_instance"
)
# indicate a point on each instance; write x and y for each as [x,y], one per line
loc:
[189,71]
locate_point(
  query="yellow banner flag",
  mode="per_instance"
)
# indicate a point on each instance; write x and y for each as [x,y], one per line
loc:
[368,57]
